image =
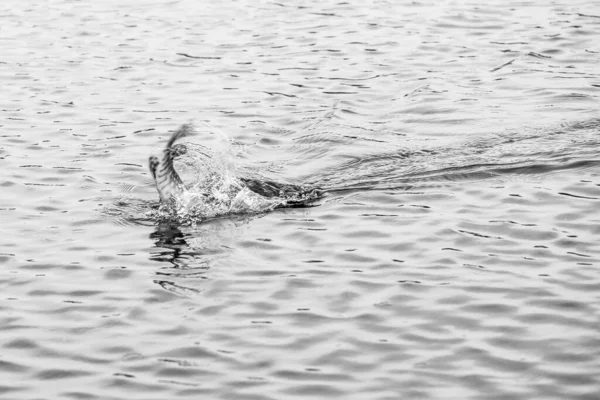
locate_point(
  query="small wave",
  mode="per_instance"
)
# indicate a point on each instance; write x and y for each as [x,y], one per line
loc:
[125,211]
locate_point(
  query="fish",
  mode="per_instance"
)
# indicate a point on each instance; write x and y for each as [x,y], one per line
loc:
[171,187]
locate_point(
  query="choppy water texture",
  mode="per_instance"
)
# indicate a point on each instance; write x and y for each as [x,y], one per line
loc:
[456,255]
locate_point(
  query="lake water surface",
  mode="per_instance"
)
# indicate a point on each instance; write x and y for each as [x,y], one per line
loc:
[456,255]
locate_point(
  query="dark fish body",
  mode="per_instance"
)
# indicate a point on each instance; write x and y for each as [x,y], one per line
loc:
[294,194]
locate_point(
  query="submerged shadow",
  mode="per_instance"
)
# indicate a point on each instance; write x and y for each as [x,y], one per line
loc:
[188,254]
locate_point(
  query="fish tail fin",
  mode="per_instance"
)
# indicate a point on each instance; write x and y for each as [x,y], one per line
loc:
[168,182]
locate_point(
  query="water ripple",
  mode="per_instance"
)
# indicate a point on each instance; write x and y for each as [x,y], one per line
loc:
[455,255]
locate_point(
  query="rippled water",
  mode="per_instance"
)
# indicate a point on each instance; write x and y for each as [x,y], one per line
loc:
[455,256]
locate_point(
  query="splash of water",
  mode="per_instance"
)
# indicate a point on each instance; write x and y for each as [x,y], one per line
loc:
[211,177]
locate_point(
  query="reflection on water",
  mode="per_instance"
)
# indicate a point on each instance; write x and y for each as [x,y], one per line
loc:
[191,252]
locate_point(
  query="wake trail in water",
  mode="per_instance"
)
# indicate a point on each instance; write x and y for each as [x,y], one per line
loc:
[539,152]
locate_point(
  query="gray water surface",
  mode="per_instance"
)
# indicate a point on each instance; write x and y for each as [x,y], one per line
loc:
[456,255]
